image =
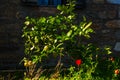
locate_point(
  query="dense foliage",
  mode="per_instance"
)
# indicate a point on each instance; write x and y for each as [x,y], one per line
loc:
[60,35]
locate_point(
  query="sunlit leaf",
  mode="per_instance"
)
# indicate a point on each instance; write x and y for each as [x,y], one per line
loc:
[69,33]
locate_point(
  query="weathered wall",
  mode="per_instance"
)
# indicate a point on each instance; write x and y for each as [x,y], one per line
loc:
[10,34]
[106,21]
[105,18]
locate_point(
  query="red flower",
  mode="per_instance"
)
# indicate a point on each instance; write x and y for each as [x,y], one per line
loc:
[78,62]
[112,59]
[117,71]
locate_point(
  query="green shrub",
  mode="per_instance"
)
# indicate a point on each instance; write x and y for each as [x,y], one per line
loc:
[59,35]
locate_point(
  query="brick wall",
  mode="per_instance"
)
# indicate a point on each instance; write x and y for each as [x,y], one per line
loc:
[105,18]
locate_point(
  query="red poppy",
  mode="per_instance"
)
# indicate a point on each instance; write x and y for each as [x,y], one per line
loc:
[78,62]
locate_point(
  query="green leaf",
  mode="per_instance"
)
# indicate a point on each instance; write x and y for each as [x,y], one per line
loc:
[84,18]
[59,7]
[69,33]
[74,27]
[109,52]
[36,39]
[66,38]
[88,25]
[59,45]
[42,19]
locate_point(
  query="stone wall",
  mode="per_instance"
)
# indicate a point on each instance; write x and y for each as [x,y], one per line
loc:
[11,50]
[105,18]
[106,22]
